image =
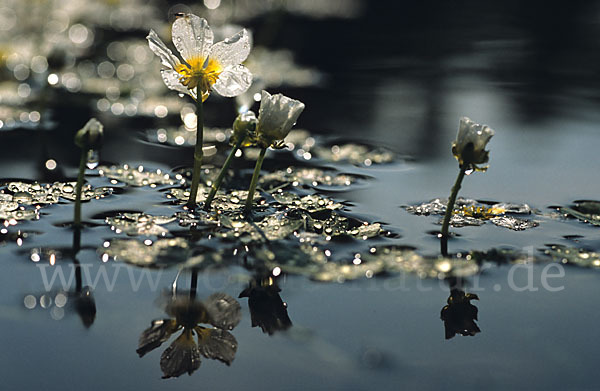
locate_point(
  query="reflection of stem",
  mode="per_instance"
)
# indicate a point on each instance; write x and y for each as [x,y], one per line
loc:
[76,248]
[79,186]
[194,284]
[217,184]
[198,154]
[449,210]
[254,181]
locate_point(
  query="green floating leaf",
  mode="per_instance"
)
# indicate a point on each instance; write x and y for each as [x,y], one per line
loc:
[305,176]
[139,224]
[585,211]
[139,176]
[573,255]
[160,253]
[355,154]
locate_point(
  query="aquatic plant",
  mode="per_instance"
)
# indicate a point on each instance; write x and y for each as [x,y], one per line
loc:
[469,150]
[243,125]
[206,67]
[89,139]
[276,116]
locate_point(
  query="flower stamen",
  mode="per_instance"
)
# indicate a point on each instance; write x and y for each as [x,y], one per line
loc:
[199,74]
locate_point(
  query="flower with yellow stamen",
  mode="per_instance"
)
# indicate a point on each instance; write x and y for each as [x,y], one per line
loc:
[206,66]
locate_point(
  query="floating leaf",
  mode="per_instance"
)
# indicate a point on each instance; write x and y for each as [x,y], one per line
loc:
[310,203]
[355,154]
[272,227]
[139,176]
[585,211]
[139,224]
[468,212]
[160,253]
[232,201]
[513,223]
[305,176]
[46,194]
[573,255]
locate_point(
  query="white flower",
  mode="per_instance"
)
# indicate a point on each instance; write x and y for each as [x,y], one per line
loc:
[205,66]
[276,116]
[471,140]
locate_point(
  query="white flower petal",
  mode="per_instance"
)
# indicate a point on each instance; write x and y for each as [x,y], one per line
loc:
[167,58]
[277,115]
[233,50]
[233,81]
[192,36]
[171,79]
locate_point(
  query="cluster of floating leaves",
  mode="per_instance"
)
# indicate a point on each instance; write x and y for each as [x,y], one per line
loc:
[15,197]
[139,176]
[574,256]
[46,194]
[468,212]
[306,176]
[139,224]
[585,211]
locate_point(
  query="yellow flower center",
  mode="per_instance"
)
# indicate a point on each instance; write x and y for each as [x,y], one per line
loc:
[195,75]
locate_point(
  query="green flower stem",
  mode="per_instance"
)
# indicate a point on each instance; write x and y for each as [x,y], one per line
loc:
[217,183]
[198,154]
[254,181]
[450,209]
[78,188]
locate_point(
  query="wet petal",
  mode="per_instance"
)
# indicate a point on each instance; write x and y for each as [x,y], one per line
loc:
[277,115]
[233,81]
[171,79]
[231,51]
[167,58]
[181,357]
[192,36]
[224,311]
[155,335]
[216,344]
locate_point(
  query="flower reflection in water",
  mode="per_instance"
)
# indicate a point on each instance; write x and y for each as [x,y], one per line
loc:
[459,315]
[267,310]
[187,314]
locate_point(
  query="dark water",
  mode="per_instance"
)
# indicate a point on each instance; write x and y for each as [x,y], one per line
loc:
[398,79]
